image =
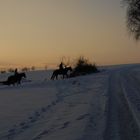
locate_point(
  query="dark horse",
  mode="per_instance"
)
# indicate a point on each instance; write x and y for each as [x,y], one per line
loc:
[63,72]
[14,79]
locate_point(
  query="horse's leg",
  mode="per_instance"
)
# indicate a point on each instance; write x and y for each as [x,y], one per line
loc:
[52,77]
[19,82]
[56,76]
[63,76]
[67,75]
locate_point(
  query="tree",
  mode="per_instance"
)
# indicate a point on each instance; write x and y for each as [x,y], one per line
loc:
[11,70]
[25,69]
[83,67]
[33,68]
[65,60]
[133,17]
[45,67]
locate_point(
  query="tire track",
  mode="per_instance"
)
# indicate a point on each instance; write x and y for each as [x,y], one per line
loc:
[121,123]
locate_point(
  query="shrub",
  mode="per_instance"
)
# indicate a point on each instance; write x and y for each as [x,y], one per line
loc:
[3,71]
[83,67]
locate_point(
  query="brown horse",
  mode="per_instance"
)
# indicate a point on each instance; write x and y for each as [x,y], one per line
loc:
[63,72]
[14,79]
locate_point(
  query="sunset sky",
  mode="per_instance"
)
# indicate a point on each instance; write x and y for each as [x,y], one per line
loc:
[42,32]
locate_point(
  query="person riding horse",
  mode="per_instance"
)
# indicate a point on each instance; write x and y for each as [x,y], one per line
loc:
[61,71]
[16,72]
[61,66]
[16,79]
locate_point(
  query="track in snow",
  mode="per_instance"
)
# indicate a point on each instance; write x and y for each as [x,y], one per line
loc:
[123,107]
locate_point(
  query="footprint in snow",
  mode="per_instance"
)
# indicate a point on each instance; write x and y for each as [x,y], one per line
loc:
[45,132]
[11,131]
[53,103]
[82,117]
[65,125]
[25,127]
[37,114]
[22,123]
[43,109]
[75,82]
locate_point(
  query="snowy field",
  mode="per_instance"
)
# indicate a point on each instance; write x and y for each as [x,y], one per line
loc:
[101,106]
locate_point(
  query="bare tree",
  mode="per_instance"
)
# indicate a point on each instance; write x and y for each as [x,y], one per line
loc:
[133,17]
[66,60]
[11,70]
[25,69]
[45,67]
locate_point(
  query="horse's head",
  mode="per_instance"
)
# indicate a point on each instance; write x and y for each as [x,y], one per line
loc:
[69,68]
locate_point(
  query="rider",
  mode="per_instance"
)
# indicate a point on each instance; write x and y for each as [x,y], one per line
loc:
[16,72]
[61,66]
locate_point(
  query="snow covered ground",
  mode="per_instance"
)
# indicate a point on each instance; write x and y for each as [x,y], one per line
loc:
[101,106]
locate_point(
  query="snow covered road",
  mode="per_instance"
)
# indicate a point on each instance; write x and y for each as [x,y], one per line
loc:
[102,106]
[123,109]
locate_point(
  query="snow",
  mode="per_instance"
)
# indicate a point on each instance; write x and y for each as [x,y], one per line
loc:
[101,106]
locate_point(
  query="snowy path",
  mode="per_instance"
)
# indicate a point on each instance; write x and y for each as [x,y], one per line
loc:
[123,107]
[103,106]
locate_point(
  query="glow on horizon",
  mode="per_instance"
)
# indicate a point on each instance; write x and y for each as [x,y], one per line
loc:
[41,32]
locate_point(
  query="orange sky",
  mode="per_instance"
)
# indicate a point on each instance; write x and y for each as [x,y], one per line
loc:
[41,32]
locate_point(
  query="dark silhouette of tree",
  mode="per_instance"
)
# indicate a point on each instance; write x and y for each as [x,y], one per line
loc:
[33,68]
[133,17]
[83,67]
[46,67]
[11,70]
[25,69]
[3,71]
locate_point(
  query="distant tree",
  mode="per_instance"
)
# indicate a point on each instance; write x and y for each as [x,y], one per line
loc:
[25,69]
[133,17]
[11,70]
[45,67]
[3,71]
[65,60]
[33,68]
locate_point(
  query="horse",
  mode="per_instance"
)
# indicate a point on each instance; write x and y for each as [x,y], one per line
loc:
[14,79]
[63,72]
